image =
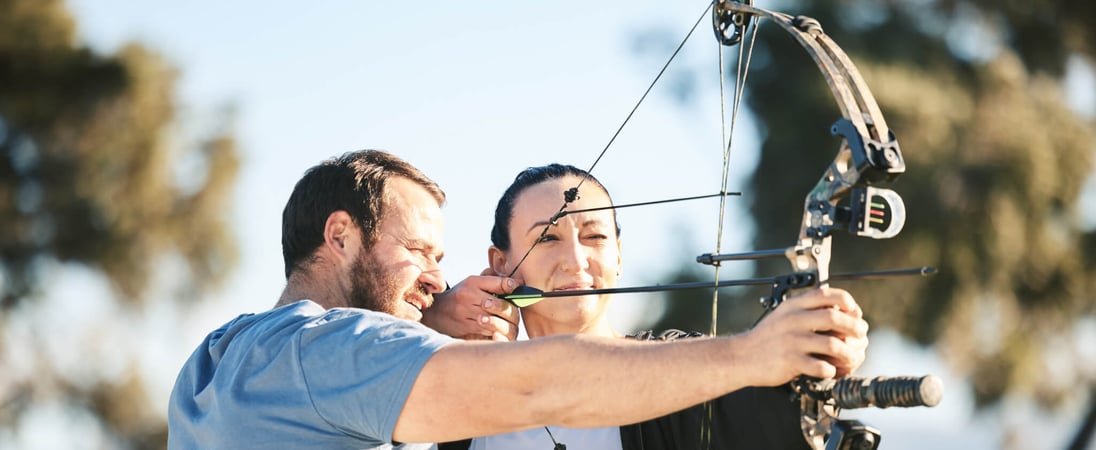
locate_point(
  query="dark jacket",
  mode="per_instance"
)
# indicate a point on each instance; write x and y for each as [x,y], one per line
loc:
[750,418]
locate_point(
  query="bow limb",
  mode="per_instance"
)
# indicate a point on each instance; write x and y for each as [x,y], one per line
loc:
[851,92]
[868,152]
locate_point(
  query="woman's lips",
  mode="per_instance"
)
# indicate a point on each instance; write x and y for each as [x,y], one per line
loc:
[574,287]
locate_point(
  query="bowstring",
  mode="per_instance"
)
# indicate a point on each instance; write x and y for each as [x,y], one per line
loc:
[568,198]
[706,425]
[741,73]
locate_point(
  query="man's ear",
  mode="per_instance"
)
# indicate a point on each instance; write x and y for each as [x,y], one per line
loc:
[340,234]
[497,259]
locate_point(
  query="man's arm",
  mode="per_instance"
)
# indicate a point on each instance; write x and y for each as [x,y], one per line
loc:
[475,388]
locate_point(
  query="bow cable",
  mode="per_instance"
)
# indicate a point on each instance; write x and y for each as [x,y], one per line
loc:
[568,212]
[572,194]
[736,100]
[741,72]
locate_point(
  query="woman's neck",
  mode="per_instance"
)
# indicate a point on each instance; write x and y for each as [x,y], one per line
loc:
[537,325]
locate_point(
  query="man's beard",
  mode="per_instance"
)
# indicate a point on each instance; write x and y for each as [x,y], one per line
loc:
[372,288]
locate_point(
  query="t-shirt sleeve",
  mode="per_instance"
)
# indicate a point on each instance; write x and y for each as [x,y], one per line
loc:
[359,368]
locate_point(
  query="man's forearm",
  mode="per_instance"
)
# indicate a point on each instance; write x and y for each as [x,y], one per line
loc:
[473,389]
[468,389]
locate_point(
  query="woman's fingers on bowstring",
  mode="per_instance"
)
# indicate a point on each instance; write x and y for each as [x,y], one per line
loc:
[487,289]
[497,318]
[473,310]
[482,325]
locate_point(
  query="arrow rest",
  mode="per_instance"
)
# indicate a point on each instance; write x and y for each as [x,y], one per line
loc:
[783,284]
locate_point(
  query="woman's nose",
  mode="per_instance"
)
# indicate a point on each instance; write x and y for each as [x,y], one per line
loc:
[575,258]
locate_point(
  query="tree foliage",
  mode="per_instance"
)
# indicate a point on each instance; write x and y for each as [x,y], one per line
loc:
[996,165]
[96,171]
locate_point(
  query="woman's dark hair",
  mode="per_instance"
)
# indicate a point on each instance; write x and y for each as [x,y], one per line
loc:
[504,212]
[354,182]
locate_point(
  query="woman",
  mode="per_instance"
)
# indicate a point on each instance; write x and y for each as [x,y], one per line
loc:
[583,251]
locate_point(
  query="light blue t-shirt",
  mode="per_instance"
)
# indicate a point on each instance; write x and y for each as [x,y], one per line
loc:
[300,376]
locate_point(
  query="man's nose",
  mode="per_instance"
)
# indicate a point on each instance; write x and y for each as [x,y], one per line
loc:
[432,280]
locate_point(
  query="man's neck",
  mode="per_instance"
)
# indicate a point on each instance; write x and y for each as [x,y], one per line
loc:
[305,286]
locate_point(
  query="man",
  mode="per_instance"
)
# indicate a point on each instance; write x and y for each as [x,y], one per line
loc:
[341,361]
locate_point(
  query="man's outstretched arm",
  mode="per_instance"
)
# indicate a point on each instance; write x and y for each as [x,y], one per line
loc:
[477,388]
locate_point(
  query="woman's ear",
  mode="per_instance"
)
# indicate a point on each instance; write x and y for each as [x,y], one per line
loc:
[497,259]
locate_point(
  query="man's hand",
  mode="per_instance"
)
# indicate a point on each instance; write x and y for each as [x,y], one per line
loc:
[820,333]
[471,311]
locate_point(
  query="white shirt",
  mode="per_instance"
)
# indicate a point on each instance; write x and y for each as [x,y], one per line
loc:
[607,438]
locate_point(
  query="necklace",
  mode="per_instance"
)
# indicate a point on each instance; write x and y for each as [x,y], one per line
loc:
[557,445]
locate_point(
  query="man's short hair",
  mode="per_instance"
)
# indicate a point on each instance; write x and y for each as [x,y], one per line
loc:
[354,182]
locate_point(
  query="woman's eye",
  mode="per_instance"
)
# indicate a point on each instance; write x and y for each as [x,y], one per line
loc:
[547,238]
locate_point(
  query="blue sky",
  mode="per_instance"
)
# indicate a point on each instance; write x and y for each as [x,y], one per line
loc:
[470,93]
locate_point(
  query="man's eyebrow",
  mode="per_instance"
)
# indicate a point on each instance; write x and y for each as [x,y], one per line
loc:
[424,245]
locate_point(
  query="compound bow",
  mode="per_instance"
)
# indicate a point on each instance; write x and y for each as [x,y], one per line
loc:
[868,154]
[845,198]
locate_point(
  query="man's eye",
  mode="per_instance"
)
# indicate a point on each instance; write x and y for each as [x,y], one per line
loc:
[422,252]
[597,236]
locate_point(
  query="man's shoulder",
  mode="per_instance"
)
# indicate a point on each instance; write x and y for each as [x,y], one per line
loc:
[307,314]
[309,320]
[274,319]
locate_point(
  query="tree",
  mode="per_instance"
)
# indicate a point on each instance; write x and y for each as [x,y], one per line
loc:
[996,165]
[94,171]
